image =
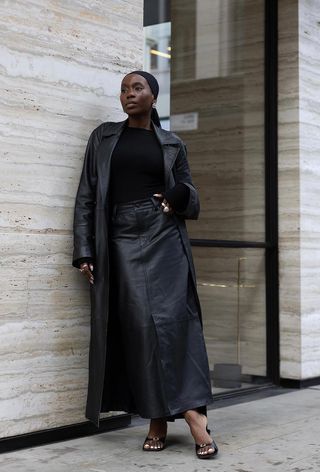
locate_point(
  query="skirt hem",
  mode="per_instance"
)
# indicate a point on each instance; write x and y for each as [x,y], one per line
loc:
[170,416]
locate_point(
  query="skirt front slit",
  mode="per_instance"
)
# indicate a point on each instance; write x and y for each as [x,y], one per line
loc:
[154,306]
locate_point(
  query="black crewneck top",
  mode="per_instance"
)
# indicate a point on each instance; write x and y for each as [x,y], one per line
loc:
[136,166]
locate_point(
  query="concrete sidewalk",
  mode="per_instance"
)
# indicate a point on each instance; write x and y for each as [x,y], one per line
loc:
[279,433]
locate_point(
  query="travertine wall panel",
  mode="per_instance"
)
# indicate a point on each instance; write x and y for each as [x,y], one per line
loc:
[289,196]
[309,80]
[299,181]
[61,64]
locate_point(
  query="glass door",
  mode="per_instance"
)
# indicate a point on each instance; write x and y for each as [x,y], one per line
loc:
[217,106]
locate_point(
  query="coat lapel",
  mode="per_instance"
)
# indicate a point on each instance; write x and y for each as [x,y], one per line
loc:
[110,136]
[170,148]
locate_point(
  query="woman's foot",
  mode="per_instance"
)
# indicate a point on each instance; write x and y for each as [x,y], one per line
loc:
[198,427]
[155,440]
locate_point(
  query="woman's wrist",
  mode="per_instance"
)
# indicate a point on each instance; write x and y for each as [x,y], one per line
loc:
[85,260]
[178,196]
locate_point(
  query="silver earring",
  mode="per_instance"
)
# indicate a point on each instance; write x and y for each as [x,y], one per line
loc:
[154,105]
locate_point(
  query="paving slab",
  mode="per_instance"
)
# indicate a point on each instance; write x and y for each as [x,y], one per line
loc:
[276,434]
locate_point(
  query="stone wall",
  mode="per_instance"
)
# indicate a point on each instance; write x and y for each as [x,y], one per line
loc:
[289,191]
[299,183]
[309,87]
[61,64]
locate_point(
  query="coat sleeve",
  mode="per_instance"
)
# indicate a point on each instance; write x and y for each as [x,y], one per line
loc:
[83,222]
[181,172]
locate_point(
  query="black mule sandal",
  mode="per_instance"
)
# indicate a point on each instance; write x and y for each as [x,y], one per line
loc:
[207,455]
[154,438]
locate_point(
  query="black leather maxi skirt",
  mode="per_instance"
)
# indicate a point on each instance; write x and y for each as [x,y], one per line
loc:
[162,339]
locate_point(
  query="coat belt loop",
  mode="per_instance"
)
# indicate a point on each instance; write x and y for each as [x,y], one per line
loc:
[156,202]
[114,210]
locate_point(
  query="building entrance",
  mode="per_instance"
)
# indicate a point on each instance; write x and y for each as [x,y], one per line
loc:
[210,59]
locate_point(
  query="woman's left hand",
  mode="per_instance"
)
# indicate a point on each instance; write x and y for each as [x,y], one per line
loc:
[166,208]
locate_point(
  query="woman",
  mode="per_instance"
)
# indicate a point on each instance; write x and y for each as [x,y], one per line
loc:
[147,353]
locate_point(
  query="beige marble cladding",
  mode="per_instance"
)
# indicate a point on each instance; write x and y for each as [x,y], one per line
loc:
[309,91]
[289,196]
[60,68]
[299,178]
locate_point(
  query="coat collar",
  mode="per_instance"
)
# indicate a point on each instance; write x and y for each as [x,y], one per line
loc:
[115,128]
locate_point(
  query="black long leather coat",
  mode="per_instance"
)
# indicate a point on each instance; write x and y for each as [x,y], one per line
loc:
[91,235]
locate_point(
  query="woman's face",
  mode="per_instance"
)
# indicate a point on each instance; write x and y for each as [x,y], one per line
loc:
[136,96]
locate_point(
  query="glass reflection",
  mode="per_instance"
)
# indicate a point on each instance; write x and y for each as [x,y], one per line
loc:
[217,107]
[231,286]
[157,60]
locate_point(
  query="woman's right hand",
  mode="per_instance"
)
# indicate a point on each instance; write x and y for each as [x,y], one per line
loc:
[87,270]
